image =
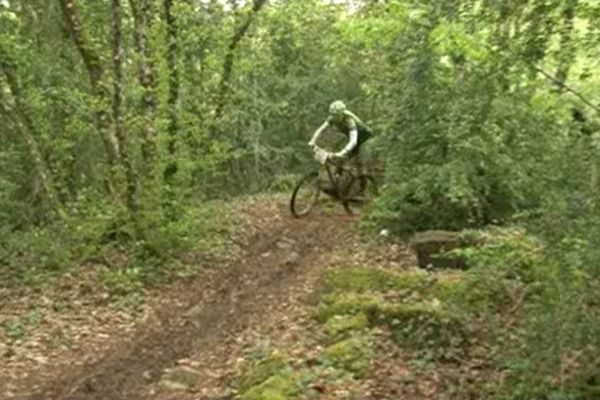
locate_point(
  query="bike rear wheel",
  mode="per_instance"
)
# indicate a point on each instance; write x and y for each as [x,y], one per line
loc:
[305,195]
[360,191]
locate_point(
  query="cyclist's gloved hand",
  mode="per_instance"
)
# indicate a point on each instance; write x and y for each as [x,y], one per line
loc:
[333,157]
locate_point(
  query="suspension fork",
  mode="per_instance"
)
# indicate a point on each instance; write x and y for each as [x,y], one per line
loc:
[333,179]
[336,179]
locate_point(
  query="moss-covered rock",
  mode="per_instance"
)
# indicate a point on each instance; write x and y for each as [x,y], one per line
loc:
[255,372]
[340,303]
[353,355]
[341,326]
[277,387]
[420,325]
[362,280]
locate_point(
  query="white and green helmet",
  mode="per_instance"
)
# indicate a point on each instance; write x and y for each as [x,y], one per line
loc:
[337,108]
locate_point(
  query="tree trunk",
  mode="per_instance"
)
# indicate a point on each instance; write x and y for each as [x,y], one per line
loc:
[117,21]
[93,64]
[142,17]
[224,84]
[28,132]
[173,99]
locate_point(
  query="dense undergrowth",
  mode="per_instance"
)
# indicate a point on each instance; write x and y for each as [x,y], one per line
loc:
[128,255]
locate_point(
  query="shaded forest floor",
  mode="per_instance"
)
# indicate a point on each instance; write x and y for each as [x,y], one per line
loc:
[191,340]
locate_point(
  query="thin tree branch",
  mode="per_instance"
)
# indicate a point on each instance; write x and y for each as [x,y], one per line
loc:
[238,35]
[117,57]
[564,86]
[174,86]
[29,133]
[142,17]
[92,60]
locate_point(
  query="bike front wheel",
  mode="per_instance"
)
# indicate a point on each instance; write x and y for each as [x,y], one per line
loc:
[305,195]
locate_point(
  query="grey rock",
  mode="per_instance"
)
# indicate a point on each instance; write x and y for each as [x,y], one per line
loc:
[174,386]
[285,244]
[292,258]
[194,311]
[180,378]
[5,351]
[432,247]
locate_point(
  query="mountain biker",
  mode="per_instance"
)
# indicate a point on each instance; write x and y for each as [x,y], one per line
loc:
[349,124]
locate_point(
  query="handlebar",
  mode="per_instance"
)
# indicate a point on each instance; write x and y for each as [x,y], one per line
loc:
[321,155]
[325,157]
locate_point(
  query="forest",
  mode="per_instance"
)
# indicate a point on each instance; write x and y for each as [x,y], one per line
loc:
[141,139]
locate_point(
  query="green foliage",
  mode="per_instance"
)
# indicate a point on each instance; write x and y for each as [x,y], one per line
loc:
[274,388]
[360,280]
[284,183]
[265,375]
[475,141]
[19,328]
[513,276]
[424,326]
[340,326]
[257,370]
[543,287]
[565,303]
[121,282]
[341,303]
[32,257]
[12,210]
[144,255]
[501,267]
[353,355]
[423,314]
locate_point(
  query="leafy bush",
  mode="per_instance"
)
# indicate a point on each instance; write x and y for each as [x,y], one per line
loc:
[133,254]
[550,293]
[560,347]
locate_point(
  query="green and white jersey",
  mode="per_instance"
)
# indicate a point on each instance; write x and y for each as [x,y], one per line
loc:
[348,122]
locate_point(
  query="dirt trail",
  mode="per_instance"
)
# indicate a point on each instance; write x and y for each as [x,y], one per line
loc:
[272,261]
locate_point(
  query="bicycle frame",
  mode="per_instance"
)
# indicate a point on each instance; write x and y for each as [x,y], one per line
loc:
[323,157]
[342,180]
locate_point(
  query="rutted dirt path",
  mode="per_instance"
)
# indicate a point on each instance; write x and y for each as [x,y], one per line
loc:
[205,323]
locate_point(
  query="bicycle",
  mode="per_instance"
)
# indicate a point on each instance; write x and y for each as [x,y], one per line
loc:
[342,183]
